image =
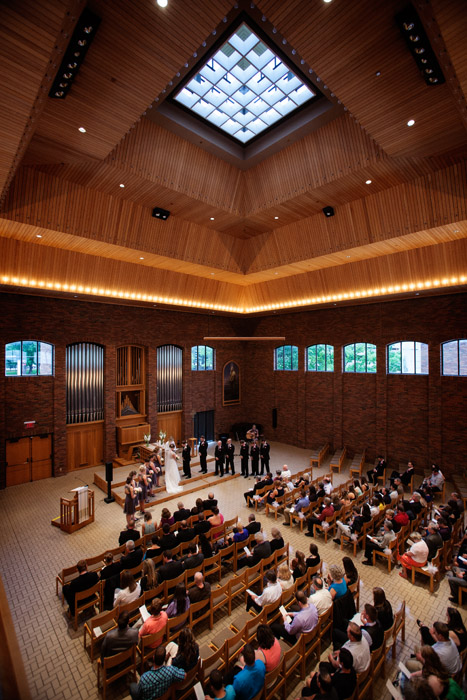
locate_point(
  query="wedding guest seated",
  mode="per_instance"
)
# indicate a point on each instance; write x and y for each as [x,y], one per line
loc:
[358,646]
[216,518]
[154,550]
[320,597]
[193,558]
[456,628]
[168,539]
[132,557]
[271,593]
[155,623]
[379,543]
[110,573]
[148,526]
[201,590]
[130,533]
[300,504]
[202,526]
[119,639]
[182,513]
[85,579]
[383,608]
[318,518]
[253,525]
[269,648]
[298,565]
[444,646]
[240,534]
[314,559]
[149,577]
[249,681]
[210,502]
[185,653]
[444,529]
[166,517]
[284,576]
[158,680]
[337,585]
[185,533]
[343,679]
[416,556]
[179,604]
[130,590]
[304,620]
[405,477]
[216,690]
[276,541]
[262,550]
[350,571]
[170,568]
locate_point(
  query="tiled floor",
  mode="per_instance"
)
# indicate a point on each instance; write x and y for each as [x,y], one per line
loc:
[32,552]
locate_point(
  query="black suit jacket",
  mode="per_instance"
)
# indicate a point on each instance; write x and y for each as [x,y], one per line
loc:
[186,454]
[193,560]
[132,559]
[219,454]
[127,535]
[185,535]
[170,570]
[203,448]
[77,585]
[265,450]
[169,541]
[182,514]
[261,551]
[253,527]
[210,503]
[201,526]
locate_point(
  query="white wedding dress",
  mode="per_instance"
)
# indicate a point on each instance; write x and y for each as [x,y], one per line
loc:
[172,476]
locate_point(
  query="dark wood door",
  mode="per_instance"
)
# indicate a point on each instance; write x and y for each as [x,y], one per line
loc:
[28,459]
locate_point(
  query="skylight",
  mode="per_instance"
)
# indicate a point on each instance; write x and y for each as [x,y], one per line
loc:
[244,87]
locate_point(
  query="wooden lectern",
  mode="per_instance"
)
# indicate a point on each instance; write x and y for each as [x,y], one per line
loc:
[76,512]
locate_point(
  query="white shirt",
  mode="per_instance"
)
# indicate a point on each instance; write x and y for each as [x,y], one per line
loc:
[322,600]
[286,473]
[328,487]
[123,595]
[419,552]
[437,479]
[361,654]
[271,593]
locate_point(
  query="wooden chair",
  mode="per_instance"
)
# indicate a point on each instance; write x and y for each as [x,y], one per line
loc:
[325,623]
[378,657]
[133,608]
[311,644]
[114,667]
[365,683]
[393,546]
[190,576]
[291,660]
[136,571]
[171,583]
[431,570]
[183,689]
[233,643]
[274,682]
[237,587]
[354,588]
[359,539]
[98,626]
[399,626]
[327,526]
[95,563]
[253,576]
[267,563]
[87,599]
[281,555]
[212,566]
[198,612]
[228,556]
[387,644]
[219,598]
[157,592]
[146,649]
[65,576]
[210,660]
[460,591]
[280,501]
[179,621]
[230,524]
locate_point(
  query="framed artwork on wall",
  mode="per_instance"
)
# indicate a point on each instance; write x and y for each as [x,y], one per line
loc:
[230,383]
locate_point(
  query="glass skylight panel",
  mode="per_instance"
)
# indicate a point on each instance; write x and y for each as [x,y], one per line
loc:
[244,87]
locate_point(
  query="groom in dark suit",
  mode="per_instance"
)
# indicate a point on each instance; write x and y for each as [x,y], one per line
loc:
[186,456]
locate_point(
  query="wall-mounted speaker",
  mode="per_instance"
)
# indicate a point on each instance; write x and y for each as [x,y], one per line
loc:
[274,417]
[328,211]
[159,213]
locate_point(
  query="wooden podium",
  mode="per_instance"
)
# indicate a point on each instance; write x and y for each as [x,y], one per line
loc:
[76,512]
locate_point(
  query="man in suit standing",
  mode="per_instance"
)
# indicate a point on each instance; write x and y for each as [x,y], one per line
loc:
[244,455]
[229,457]
[254,454]
[264,453]
[186,456]
[219,455]
[203,454]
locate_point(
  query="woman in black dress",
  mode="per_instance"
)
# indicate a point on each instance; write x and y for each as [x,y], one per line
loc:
[129,505]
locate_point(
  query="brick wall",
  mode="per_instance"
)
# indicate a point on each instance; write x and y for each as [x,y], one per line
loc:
[402,416]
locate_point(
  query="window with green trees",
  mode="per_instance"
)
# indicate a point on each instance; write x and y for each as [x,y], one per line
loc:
[29,358]
[408,357]
[202,358]
[360,357]
[319,358]
[454,358]
[286,358]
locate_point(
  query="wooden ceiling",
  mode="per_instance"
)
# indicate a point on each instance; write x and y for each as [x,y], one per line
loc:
[237,240]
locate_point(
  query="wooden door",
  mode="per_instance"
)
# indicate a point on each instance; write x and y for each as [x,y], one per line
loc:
[18,470]
[28,459]
[41,457]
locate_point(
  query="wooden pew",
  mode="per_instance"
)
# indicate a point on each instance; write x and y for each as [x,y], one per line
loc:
[338,459]
[318,455]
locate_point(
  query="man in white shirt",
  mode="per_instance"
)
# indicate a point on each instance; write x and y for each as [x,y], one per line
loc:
[328,487]
[321,598]
[358,647]
[270,594]
[286,473]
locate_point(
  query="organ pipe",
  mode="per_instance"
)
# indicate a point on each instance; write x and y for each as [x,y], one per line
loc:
[84,383]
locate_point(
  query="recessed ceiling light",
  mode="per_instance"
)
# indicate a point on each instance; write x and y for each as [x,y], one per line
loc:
[122,185]
[378,73]
[211,218]
[411,122]
[38,235]
[141,258]
[82,129]
[162,3]
[327,1]
[276,217]
[367,182]
[212,273]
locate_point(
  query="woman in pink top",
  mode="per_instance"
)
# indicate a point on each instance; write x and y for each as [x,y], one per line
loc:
[216,519]
[156,623]
[269,650]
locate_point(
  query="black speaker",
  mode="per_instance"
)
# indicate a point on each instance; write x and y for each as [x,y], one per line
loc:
[109,471]
[274,417]
[328,211]
[109,475]
[159,213]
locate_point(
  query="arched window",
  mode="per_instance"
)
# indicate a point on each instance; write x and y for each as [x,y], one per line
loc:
[202,358]
[29,358]
[319,358]
[360,357]
[407,357]
[286,358]
[454,358]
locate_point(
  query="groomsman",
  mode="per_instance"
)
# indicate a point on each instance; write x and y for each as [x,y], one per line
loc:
[219,455]
[203,453]
[186,456]
[264,452]
[254,454]
[244,455]
[229,456]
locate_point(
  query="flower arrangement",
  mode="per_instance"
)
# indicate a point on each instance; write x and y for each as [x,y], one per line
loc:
[147,439]
[162,436]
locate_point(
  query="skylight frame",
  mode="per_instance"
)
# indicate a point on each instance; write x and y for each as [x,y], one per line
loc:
[275,117]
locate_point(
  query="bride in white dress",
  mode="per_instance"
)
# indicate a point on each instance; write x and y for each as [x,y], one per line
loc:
[172,476]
